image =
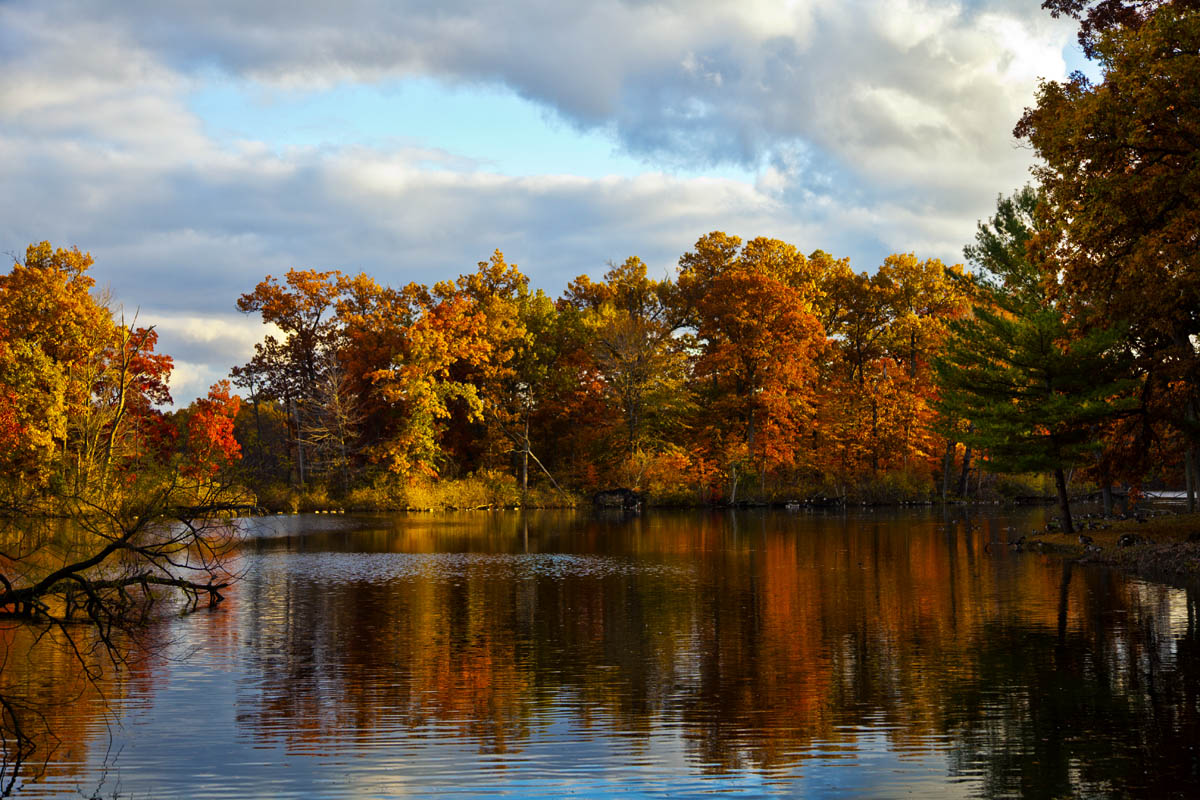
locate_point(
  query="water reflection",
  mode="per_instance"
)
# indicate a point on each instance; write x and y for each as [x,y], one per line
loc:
[869,655]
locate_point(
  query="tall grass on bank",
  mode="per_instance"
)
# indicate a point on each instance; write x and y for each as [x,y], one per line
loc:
[485,489]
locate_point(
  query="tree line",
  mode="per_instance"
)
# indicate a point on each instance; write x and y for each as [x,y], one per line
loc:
[755,367]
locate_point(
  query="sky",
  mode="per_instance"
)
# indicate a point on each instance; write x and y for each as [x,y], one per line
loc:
[195,148]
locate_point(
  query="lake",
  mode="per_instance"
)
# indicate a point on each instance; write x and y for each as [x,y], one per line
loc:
[799,654]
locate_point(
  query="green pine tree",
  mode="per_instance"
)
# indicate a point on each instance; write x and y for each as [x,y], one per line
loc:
[1035,385]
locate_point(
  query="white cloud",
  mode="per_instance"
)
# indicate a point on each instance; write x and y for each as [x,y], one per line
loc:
[190,380]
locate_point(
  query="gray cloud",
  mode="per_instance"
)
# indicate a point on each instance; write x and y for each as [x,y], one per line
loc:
[695,82]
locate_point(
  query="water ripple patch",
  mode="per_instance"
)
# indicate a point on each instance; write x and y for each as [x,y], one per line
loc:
[377,567]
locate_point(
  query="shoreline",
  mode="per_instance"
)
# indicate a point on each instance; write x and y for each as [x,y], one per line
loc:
[1160,545]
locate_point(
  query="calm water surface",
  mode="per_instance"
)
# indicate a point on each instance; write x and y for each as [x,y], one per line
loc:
[673,655]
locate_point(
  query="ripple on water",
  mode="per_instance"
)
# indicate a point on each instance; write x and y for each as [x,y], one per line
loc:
[377,567]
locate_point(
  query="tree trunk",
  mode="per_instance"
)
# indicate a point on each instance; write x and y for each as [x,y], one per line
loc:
[258,442]
[874,437]
[524,473]
[1064,503]
[525,463]
[1107,494]
[947,465]
[299,443]
[965,473]
[119,413]
[345,464]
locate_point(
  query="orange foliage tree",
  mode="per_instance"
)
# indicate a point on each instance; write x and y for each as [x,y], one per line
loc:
[758,344]
[80,390]
[638,364]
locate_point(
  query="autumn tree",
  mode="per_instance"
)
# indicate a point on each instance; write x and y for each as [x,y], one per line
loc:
[1097,17]
[630,322]
[878,391]
[859,315]
[81,389]
[289,369]
[374,326]
[511,382]
[422,383]
[302,309]
[716,253]
[924,296]
[573,419]
[1119,173]
[758,342]
[208,444]
[50,325]
[128,396]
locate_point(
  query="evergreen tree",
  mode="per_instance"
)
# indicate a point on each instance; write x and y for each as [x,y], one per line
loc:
[1035,383]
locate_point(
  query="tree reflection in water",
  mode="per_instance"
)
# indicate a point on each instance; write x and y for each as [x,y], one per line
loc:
[775,645]
[59,693]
